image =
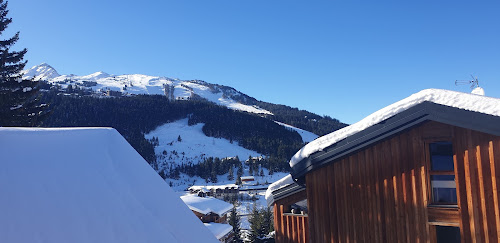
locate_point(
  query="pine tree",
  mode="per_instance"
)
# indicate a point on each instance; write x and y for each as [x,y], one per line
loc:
[179,139]
[250,168]
[261,172]
[239,172]
[267,220]
[238,180]
[213,175]
[235,221]
[18,107]
[230,175]
[255,220]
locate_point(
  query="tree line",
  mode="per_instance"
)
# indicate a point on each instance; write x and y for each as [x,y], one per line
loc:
[134,116]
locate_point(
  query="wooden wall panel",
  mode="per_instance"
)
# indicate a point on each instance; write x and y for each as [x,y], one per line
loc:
[373,197]
[381,193]
[290,228]
[478,156]
[494,155]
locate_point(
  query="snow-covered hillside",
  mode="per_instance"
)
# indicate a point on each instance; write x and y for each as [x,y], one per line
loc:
[306,135]
[128,84]
[180,143]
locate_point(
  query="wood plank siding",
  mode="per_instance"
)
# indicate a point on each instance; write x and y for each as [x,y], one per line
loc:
[382,193]
[290,228]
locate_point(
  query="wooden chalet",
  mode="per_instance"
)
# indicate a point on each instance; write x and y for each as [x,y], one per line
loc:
[208,209]
[213,213]
[425,169]
[247,179]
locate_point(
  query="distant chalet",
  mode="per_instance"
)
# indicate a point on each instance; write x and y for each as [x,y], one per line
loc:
[86,185]
[247,179]
[213,213]
[425,169]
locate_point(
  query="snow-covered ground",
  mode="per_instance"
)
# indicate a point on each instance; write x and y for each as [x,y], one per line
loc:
[194,145]
[306,135]
[86,185]
[144,84]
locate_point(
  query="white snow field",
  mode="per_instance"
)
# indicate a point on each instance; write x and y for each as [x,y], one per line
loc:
[471,102]
[86,185]
[143,84]
[194,145]
[306,135]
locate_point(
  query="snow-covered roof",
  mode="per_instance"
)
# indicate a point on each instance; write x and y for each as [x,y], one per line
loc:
[285,181]
[86,185]
[219,230]
[465,101]
[205,188]
[247,178]
[206,205]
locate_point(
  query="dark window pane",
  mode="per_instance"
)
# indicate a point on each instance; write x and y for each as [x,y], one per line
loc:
[441,156]
[447,234]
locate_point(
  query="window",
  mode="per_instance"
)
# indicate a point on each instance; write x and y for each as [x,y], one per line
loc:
[442,174]
[447,234]
[299,207]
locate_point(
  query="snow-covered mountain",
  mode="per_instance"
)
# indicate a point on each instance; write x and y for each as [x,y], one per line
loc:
[133,84]
[41,72]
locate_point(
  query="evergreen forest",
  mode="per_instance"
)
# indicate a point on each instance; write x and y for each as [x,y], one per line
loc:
[134,116]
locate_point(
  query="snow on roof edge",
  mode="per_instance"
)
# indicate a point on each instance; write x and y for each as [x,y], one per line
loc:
[285,181]
[224,186]
[210,204]
[466,101]
[219,230]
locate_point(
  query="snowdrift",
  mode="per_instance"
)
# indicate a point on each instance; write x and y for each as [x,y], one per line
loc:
[86,185]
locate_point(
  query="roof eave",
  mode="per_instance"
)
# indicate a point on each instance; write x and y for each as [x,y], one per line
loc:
[425,111]
[285,192]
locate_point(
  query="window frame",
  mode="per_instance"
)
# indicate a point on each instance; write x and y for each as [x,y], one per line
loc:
[431,172]
[440,214]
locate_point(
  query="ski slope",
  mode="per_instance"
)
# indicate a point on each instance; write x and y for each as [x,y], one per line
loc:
[306,135]
[194,145]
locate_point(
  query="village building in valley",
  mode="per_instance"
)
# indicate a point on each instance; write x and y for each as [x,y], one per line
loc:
[213,213]
[424,169]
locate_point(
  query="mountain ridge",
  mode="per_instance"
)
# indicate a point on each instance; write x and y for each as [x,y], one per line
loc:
[135,84]
[101,83]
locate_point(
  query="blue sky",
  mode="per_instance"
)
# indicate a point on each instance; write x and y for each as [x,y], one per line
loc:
[345,59]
